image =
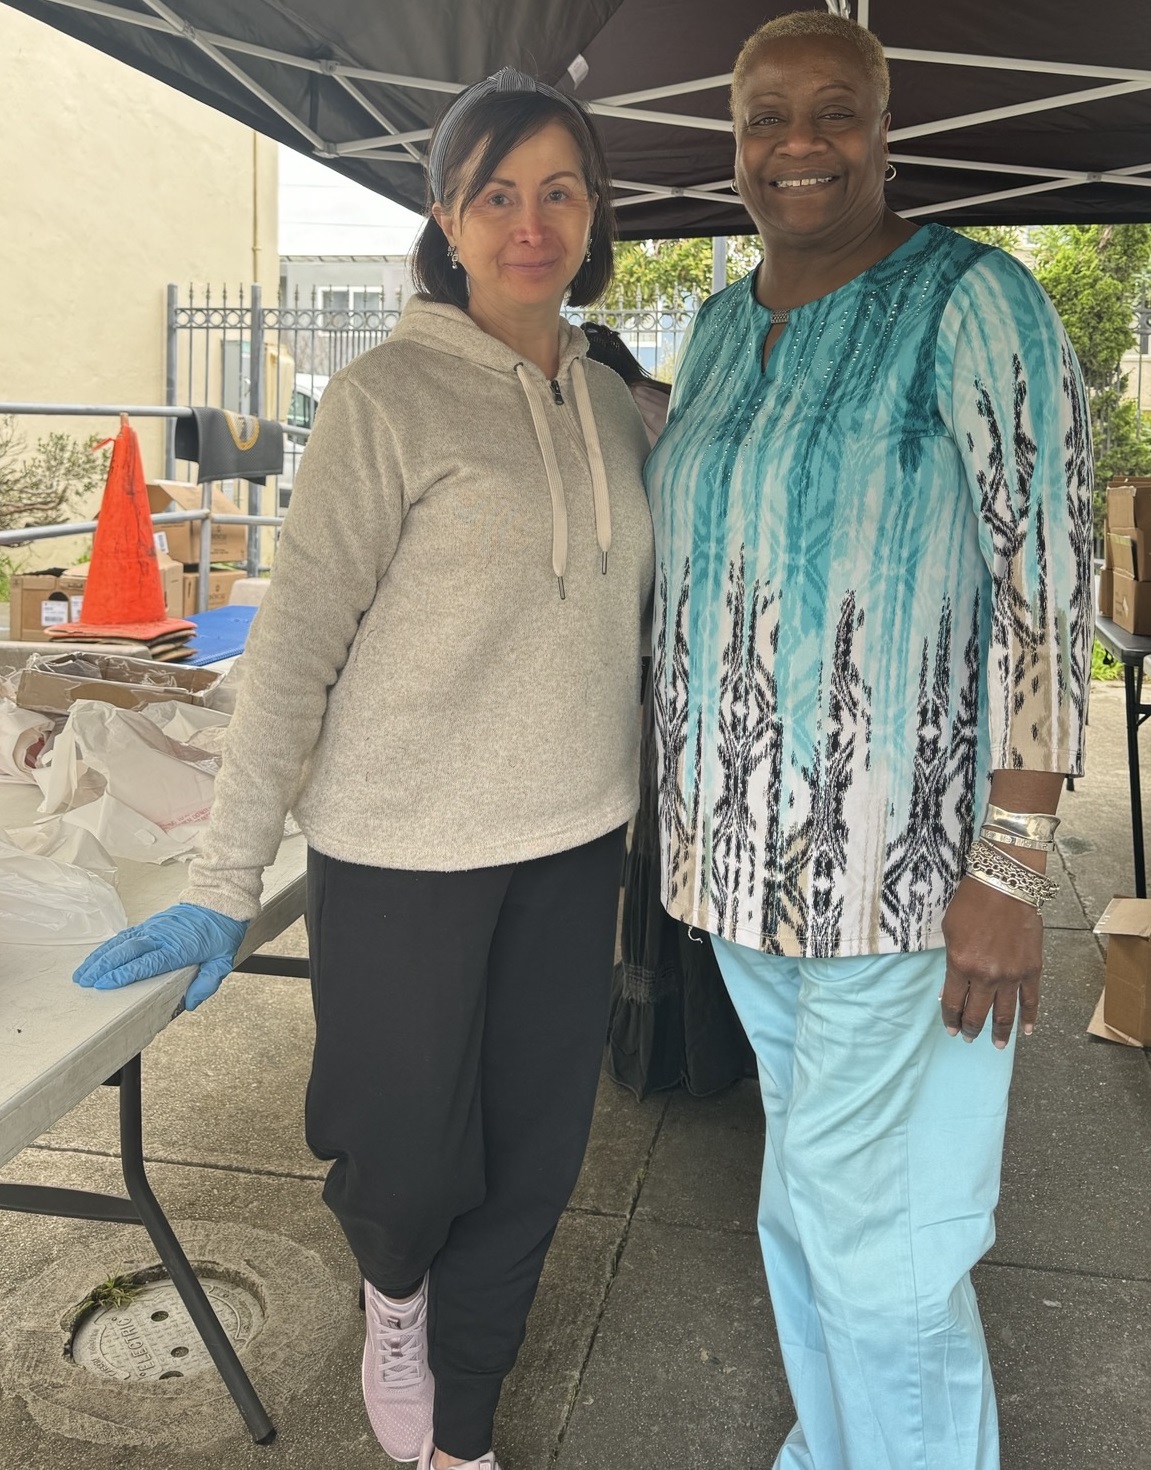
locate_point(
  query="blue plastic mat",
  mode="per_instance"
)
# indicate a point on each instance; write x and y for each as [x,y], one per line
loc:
[221,632]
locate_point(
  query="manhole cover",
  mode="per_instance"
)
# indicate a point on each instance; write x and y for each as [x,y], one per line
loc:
[154,1337]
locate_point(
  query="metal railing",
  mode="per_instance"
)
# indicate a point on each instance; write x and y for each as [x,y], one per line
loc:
[205,517]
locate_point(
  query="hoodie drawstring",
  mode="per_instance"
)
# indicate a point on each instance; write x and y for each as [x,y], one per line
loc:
[600,502]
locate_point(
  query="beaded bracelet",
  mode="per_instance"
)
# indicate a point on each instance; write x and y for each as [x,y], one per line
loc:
[986,864]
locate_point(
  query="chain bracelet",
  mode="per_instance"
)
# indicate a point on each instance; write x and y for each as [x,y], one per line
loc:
[986,864]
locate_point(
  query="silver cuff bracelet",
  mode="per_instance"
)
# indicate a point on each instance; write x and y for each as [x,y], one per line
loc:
[1039,826]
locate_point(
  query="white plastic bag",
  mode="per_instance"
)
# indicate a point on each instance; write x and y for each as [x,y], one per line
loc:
[54,838]
[46,902]
[23,733]
[134,779]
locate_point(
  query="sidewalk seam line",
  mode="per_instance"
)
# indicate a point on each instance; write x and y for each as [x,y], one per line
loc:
[640,1177]
[175,1163]
[1066,1271]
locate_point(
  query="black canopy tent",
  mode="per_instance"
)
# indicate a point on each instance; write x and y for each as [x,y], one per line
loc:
[1036,111]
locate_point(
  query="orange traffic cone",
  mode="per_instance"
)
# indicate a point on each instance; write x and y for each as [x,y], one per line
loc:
[123,596]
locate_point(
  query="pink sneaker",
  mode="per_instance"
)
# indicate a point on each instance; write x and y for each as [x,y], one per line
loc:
[398,1385]
[485,1462]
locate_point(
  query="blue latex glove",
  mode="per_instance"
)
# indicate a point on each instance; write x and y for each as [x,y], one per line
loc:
[186,934]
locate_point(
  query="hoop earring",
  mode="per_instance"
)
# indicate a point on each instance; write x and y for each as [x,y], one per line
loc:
[890,172]
[454,257]
[733,186]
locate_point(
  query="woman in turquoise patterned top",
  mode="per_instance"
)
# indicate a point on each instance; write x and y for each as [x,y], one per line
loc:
[872,643]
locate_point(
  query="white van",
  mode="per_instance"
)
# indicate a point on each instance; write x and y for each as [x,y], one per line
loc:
[307,391]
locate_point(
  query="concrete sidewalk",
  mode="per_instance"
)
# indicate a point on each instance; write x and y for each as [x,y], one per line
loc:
[651,1342]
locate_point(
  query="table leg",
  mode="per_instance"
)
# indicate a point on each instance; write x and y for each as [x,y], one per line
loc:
[1133,682]
[176,1262]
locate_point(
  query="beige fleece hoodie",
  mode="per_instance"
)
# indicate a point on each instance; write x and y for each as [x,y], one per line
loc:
[417,690]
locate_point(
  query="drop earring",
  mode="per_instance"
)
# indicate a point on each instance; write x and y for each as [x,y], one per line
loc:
[454,257]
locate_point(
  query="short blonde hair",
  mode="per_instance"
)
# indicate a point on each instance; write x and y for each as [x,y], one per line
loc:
[816,23]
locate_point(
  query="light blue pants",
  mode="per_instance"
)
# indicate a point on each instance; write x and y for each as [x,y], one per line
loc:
[880,1178]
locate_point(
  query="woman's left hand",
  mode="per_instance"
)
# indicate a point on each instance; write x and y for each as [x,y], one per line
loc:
[994,961]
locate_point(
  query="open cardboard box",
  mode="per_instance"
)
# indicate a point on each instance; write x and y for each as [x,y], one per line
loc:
[1129,504]
[52,683]
[1131,603]
[1129,553]
[229,543]
[1126,1001]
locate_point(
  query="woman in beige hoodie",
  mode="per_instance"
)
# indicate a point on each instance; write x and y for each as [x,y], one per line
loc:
[442,684]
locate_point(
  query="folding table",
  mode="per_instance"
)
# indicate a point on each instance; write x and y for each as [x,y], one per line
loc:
[59,1042]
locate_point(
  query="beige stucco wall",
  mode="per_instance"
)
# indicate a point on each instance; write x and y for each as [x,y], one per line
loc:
[112,185]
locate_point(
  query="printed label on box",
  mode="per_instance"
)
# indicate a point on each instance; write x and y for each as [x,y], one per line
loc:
[53,610]
[77,602]
[161,540]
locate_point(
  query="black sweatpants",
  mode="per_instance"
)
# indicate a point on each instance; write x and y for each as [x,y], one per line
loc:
[460,1023]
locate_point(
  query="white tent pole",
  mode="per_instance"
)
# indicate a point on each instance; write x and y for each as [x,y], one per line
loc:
[653,192]
[676,119]
[647,198]
[381,157]
[189,32]
[374,112]
[390,140]
[1019,63]
[336,69]
[674,89]
[718,263]
[1020,170]
[973,199]
[1023,170]
[393,79]
[1018,109]
[698,191]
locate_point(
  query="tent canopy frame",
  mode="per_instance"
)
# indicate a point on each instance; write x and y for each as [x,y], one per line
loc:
[396,145]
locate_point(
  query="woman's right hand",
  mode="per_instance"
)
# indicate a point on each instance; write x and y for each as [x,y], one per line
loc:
[186,934]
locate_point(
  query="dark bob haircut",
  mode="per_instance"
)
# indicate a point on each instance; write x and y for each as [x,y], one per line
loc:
[490,130]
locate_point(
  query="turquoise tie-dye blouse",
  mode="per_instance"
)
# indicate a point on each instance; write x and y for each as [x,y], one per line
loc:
[873,589]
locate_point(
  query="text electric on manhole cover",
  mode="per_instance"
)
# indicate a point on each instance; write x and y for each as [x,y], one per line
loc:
[154,1337]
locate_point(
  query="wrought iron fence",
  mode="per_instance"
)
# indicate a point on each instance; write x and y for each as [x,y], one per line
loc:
[232,351]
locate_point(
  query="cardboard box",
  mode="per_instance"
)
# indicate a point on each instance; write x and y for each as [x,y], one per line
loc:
[1129,504]
[229,543]
[171,580]
[221,580]
[1128,553]
[41,600]
[1106,608]
[51,683]
[1107,562]
[1127,981]
[1131,603]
